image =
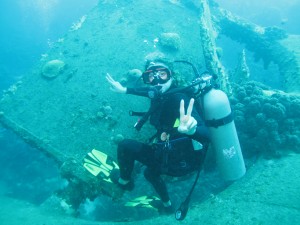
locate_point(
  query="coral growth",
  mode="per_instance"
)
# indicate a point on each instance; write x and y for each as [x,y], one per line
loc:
[170,41]
[241,72]
[78,25]
[267,121]
[131,77]
[52,68]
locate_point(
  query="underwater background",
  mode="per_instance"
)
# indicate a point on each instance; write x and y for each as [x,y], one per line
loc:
[28,30]
[28,178]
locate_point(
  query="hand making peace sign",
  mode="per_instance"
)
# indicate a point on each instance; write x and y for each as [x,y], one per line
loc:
[188,124]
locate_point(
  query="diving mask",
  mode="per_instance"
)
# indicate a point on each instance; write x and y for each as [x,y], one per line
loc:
[156,74]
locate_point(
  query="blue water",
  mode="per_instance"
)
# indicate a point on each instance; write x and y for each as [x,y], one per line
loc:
[27,29]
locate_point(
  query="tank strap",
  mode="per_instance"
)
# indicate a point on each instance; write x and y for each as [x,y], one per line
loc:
[219,122]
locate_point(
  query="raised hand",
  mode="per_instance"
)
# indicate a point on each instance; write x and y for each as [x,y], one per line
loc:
[115,85]
[188,124]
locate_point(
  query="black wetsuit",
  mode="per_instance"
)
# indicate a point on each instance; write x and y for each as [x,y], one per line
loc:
[175,157]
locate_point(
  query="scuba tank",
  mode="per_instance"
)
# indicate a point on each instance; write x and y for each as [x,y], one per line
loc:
[219,119]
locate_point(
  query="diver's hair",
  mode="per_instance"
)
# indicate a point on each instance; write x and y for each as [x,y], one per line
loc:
[166,62]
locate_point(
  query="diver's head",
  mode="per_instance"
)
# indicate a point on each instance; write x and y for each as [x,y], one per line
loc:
[157,73]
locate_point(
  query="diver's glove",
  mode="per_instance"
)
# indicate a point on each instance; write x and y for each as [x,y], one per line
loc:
[188,124]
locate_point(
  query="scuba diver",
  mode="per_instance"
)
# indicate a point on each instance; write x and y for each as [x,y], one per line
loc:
[179,146]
